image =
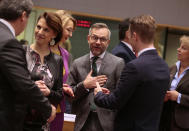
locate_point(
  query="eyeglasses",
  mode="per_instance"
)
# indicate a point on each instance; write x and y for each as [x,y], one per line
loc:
[102,39]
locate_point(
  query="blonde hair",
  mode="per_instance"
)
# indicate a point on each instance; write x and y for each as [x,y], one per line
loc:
[184,39]
[65,17]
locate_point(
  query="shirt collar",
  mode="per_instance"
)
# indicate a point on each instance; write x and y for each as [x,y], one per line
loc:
[128,45]
[8,25]
[100,56]
[178,66]
[144,50]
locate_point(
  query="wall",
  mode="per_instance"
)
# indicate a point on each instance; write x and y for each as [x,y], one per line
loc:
[171,12]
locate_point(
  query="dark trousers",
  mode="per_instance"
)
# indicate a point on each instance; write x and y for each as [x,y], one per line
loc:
[92,123]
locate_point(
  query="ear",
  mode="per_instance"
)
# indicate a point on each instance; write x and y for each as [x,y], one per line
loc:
[24,16]
[134,36]
[108,42]
[88,38]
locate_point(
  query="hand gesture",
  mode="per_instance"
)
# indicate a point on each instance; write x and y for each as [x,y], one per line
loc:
[53,114]
[90,82]
[68,90]
[172,95]
[44,89]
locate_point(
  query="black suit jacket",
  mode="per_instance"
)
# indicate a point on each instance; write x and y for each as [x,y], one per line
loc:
[139,94]
[16,88]
[121,50]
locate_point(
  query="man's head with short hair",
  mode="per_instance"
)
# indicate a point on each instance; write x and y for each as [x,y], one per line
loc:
[123,27]
[144,26]
[98,26]
[11,10]
[98,38]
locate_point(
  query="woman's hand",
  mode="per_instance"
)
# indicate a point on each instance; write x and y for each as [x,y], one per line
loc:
[172,95]
[44,89]
[68,90]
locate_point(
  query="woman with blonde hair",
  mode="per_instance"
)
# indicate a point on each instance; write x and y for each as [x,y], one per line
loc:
[68,25]
[175,115]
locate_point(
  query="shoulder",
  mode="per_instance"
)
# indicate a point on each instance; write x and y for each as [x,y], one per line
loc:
[82,59]
[56,57]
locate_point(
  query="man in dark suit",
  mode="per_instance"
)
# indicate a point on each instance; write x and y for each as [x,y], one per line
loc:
[143,83]
[124,48]
[16,88]
[90,117]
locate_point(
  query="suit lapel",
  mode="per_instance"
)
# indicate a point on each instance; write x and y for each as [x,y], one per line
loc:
[87,63]
[183,80]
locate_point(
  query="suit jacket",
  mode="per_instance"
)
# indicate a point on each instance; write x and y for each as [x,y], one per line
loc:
[17,90]
[173,110]
[139,95]
[111,67]
[121,50]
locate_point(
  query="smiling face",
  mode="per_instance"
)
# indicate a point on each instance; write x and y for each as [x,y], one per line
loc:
[98,40]
[43,34]
[67,30]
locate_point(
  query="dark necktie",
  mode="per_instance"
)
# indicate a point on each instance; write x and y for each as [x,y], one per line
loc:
[94,73]
[94,67]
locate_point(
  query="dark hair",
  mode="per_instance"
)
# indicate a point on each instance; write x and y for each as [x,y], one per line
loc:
[54,22]
[144,26]
[123,27]
[11,10]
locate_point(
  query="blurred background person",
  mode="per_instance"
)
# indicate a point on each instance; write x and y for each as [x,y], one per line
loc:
[175,115]
[45,67]
[124,48]
[68,26]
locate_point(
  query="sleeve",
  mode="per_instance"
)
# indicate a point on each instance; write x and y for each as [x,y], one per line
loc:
[56,94]
[77,86]
[123,92]
[13,68]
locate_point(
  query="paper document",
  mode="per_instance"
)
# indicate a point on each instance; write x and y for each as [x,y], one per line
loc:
[69,117]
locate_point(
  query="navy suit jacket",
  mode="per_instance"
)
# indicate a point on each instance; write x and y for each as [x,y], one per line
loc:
[139,94]
[121,50]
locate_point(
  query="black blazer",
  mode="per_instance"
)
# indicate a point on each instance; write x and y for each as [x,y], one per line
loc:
[121,50]
[139,94]
[55,65]
[16,88]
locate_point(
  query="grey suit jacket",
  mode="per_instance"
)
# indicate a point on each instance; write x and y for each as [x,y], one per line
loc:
[111,67]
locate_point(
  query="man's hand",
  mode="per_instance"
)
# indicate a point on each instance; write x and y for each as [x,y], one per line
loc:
[68,90]
[53,114]
[90,82]
[97,89]
[43,88]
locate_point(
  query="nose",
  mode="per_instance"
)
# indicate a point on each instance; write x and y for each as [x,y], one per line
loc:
[178,49]
[40,31]
[98,41]
[70,34]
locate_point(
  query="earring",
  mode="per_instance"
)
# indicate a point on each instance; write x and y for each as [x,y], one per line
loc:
[52,42]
